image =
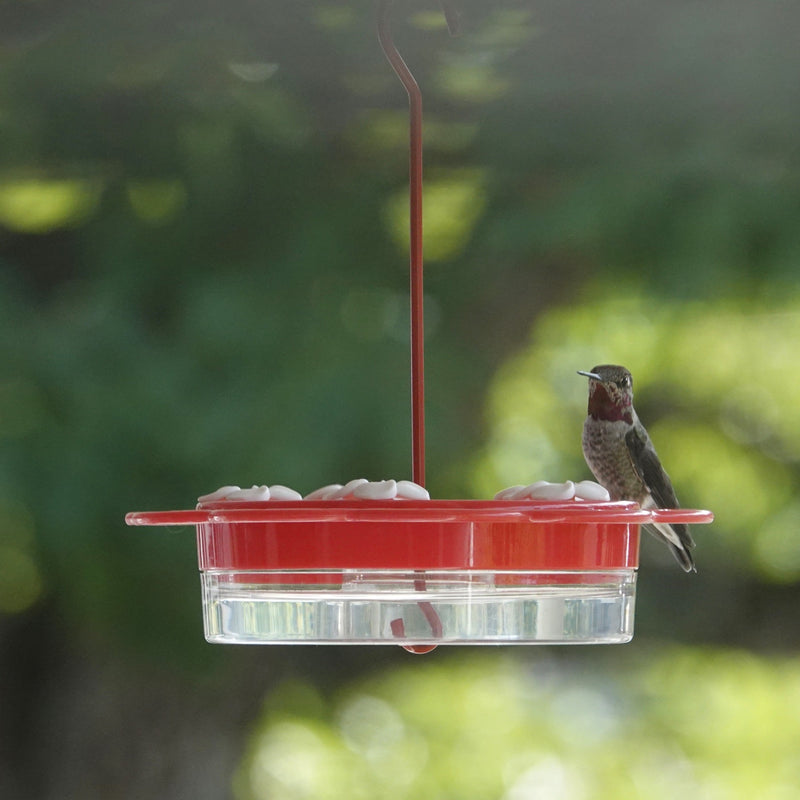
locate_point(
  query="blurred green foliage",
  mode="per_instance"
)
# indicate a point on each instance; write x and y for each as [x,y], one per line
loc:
[203,281]
[676,722]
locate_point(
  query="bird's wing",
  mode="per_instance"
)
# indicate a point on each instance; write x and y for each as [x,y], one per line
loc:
[649,469]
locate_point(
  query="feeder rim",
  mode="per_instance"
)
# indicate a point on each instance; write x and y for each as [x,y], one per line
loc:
[402,510]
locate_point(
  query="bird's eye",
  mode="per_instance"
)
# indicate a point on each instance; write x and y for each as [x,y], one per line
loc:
[624,382]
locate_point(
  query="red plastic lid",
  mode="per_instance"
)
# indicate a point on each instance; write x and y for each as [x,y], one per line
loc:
[410,534]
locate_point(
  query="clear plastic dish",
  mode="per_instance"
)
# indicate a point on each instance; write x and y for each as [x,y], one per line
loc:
[418,573]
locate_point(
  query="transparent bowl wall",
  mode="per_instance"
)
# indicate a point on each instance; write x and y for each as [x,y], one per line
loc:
[419,607]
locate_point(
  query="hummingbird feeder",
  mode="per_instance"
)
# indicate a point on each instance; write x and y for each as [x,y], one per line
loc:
[382,564]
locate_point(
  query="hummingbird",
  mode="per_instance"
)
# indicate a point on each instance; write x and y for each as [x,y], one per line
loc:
[622,458]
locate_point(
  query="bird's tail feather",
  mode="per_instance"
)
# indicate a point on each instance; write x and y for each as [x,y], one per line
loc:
[679,540]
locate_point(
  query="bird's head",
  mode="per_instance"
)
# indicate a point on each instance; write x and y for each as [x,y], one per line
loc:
[610,393]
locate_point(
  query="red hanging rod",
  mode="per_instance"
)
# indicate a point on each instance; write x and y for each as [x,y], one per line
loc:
[415,228]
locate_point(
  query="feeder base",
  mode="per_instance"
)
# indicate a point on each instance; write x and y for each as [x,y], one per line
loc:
[420,607]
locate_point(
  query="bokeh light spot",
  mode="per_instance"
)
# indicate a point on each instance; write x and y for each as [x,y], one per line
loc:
[156,201]
[21,582]
[39,205]
[452,205]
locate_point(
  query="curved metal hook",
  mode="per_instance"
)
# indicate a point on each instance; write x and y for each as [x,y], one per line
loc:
[415,225]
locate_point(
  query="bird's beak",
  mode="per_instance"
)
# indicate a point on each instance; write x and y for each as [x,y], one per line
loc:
[590,375]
